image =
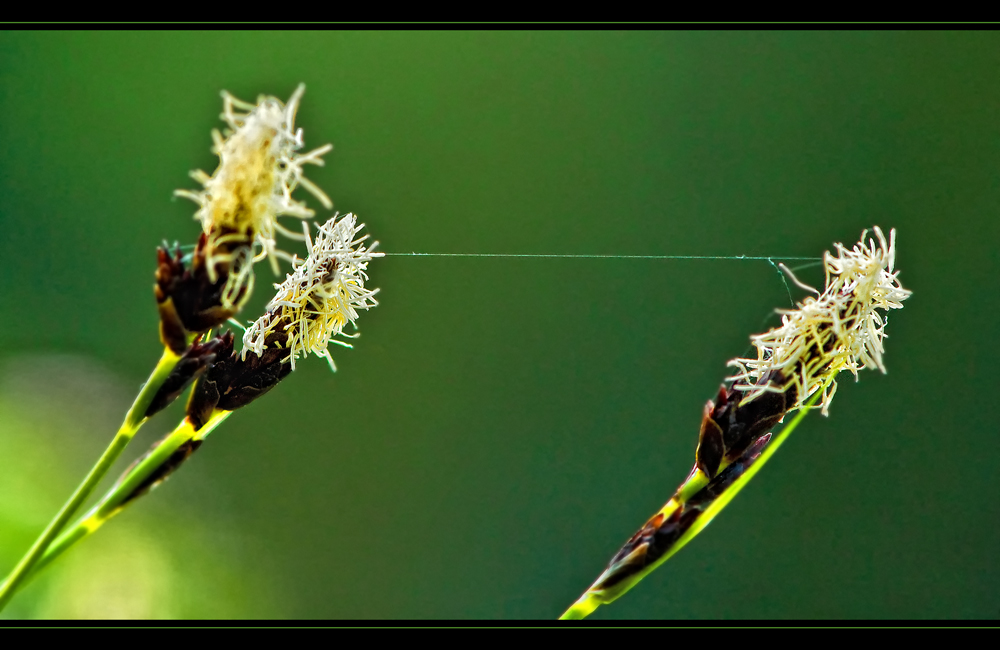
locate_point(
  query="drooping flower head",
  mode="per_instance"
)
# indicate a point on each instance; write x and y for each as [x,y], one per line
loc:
[259,167]
[320,297]
[840,329]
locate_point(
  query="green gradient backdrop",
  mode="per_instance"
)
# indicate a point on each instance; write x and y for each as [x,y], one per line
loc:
[503,425]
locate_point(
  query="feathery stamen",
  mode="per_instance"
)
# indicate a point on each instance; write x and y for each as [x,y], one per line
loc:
[321,296]
[840,329]
[259,168]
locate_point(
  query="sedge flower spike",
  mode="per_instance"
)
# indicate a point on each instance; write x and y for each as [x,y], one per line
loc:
[840,329]
[320,297]
[259,168]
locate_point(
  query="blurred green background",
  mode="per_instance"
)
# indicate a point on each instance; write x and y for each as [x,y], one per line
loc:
[503,425]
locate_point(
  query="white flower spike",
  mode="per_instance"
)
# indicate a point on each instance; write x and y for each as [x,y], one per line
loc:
[840,329]
[259,167]
[320,297]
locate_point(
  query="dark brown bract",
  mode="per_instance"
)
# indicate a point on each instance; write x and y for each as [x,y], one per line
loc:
[188,300]
[233,382]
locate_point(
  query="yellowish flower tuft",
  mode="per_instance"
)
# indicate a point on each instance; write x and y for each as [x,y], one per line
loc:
[259,167]
[840,329]
[320,297]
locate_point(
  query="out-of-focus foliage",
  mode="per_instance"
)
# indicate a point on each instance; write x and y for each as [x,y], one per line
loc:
[55,413]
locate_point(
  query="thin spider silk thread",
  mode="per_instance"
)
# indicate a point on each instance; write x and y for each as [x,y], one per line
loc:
[814,261]
[763,258]
[767,258]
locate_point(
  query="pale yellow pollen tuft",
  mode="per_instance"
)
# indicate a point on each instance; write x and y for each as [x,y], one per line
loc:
[259,168]
[320,297]
[840,329]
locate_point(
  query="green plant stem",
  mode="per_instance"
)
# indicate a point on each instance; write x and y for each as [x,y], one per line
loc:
[134,419]
[590,600]
[117,497]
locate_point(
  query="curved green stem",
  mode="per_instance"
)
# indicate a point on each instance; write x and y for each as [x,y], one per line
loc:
[118,497]
[591,600]
[134,419]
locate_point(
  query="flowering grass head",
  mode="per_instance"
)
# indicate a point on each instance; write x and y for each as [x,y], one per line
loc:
[199,289]
[839,329]
[320,297]
[316,301]
[259,168]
